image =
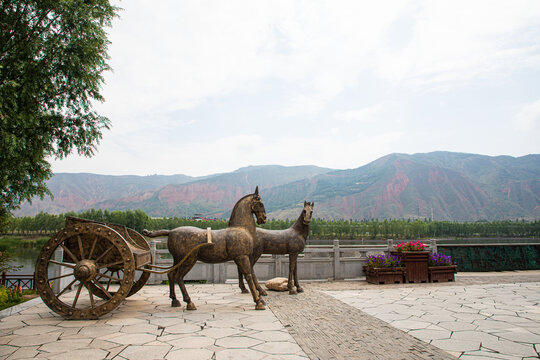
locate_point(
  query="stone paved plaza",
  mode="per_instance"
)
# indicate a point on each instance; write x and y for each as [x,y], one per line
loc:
[482,316]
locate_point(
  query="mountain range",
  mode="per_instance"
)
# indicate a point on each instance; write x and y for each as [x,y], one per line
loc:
[438,185]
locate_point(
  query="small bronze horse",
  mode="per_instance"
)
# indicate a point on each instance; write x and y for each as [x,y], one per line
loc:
[290,241]
[232,243]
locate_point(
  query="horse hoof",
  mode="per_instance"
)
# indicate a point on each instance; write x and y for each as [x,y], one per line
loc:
[175,303]
[262,301]
[245,291]
[260,306]
[292,292]
[191,306]
[299,289]
[263,293]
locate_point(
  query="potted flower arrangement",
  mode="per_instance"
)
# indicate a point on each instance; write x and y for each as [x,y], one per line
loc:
[415,257]
[441,268]
[384,269]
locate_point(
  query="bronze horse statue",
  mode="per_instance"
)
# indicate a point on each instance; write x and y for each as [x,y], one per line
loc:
[232,243]
[290,241]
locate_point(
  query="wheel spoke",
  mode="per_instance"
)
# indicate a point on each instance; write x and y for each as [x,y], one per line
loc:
[111,264]
[69,253]
[108,277]
[105,253]
[98,284]
[61,276]
[67,287]
[93,246]
[69,265]
[80,246]
[77,294]
[109,282]
[92,302]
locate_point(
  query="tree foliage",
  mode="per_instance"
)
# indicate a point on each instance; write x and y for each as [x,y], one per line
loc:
[397,229]
[52,57]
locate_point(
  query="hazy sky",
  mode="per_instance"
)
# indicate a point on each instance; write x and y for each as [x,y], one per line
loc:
[201,87]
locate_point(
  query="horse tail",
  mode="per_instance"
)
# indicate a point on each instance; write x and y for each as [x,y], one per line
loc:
[155,233]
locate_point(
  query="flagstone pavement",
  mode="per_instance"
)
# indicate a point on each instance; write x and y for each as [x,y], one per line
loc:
[481,316]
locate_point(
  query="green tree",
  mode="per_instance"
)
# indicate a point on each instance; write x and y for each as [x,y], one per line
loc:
[52,56]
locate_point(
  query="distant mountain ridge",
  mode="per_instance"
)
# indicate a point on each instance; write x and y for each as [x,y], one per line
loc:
[447,185]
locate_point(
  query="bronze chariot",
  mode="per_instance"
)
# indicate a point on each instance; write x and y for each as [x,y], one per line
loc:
[103,262]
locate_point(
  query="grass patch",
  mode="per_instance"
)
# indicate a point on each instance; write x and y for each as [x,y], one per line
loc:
[10,297]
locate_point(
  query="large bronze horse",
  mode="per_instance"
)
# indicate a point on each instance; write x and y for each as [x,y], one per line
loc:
[290,241]
[232,243]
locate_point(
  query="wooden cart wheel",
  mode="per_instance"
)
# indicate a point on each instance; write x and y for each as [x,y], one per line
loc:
[87,250]
[140,277]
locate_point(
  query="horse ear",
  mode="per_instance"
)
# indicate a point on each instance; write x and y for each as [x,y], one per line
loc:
[312,204]
[257,190]
[305,203]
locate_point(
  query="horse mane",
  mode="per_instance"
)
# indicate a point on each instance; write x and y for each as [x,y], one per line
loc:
[237,204]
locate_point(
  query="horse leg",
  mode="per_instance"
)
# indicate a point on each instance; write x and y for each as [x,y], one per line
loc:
[292,264]
[172,293]
[262,292]
[180,273]
[241,281]
[243,263]
[296,283]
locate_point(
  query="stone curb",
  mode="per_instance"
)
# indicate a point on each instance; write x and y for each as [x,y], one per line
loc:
[17,308]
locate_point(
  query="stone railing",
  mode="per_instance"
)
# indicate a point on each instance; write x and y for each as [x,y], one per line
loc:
[324,262]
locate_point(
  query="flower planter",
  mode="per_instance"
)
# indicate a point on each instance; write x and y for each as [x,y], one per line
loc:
[442,273]
[385,275]
[416,265]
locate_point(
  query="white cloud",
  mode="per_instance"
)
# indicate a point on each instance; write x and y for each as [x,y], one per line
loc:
[528,118]
[326,70]
[365,115]
[455,42]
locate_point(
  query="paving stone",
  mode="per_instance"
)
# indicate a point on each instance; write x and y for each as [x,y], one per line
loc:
[457,345]
[192,342]
[141,328]
[522,337]
[31,340]
[99,330]
[428,335]
[265,326]
[271,336]
[410,324]
[240,354]
[510,348]
[6,350]
[484,355]
[237,342]
[474,335]
[183,328]
[284,348]
[147,352]
[86,354]
[65,345]
[35,330]
[457,325]
[218,333]
[132,339]
[26,352]
[191,354]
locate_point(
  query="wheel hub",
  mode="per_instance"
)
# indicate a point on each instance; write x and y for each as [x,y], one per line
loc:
[85,270]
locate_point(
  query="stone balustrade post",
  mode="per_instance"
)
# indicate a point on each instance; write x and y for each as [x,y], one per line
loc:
[390,244]
[153,250]
[433,245]
[337,263]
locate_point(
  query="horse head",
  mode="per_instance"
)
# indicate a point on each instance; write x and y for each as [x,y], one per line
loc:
[257,207]
[307,212]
